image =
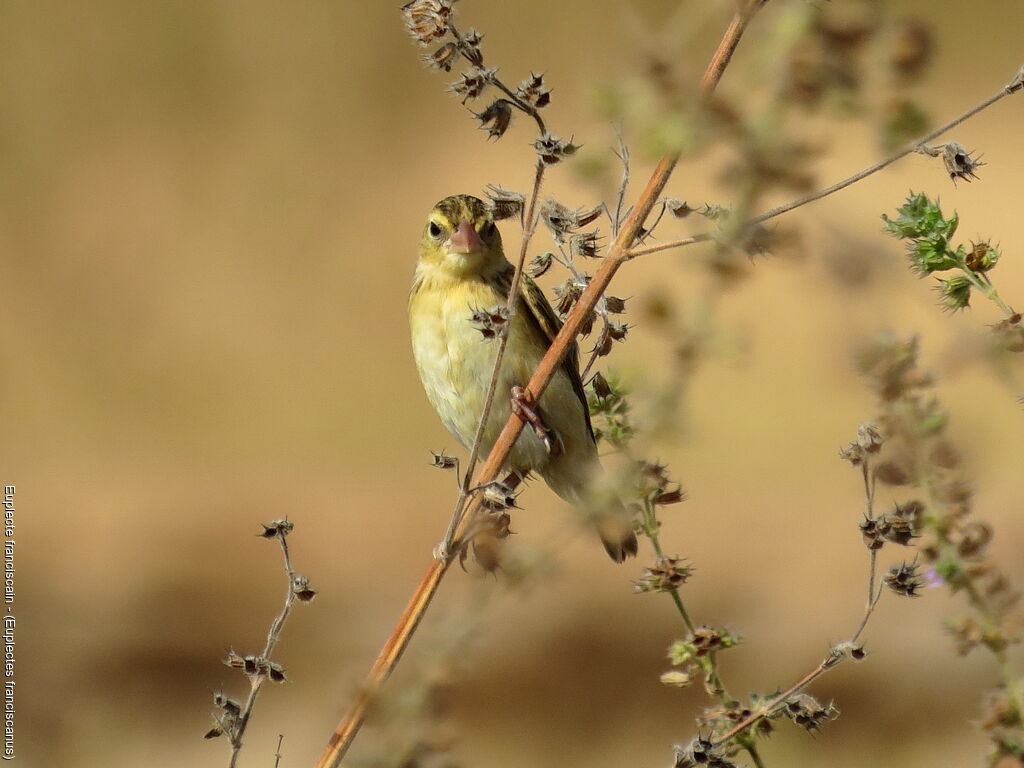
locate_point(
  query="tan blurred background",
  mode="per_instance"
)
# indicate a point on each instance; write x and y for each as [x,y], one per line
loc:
[208,215]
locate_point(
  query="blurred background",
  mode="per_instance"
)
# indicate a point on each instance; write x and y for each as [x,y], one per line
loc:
[208,222]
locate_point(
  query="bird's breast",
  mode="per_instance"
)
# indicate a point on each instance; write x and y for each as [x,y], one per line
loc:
[455,363]
[453,357]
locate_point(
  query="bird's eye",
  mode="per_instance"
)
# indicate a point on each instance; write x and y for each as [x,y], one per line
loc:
[434,229]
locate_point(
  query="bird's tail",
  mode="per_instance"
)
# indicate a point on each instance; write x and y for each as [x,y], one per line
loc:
[616,532]
[601,507]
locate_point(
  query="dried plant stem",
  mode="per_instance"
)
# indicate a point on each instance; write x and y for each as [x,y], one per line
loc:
[349,726]
[512,302]
[835,657]
[257,681]
[476,59]
[651,532]
[778,701]
[723,53]
[910,148]
[618,254]
[869,500]
[830,661]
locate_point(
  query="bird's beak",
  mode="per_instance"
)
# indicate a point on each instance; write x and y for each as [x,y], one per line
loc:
[465,240]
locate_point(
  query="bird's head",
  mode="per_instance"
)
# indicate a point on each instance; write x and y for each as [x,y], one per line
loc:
[460,237]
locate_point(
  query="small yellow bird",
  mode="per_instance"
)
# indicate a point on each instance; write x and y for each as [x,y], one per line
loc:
[462,270]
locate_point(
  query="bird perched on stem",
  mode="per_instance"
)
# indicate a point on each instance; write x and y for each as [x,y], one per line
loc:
[462,275]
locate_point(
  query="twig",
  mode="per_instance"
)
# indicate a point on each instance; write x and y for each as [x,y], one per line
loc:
[277,752]
[620,198]
[283,527]
[477,60]
[512,302]
[1011,88]
[837,653]
[618,254]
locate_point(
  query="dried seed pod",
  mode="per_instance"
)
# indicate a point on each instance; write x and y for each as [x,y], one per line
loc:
[601,386]
[897,529]
[617,331]
[804,710]
[442,461]
[615,305]
[904,580]
[667,575]
[869,438]
[498,497]
[496,118]
[277,528]
[959,162]
[504,203]
[533,92]
[852,453]
[275,672]
[540,264]
[427,20]
[584,244]
[226,703]
[471,40]
[604,344]
[566,295]
[443,58]
[871,534]
[472,83]
[302,590]
[552,149]
[492,323]
[587,326]
[585,217]
[558,218]
[678,208]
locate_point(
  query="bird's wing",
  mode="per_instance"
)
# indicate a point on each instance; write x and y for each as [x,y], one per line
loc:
[543,319]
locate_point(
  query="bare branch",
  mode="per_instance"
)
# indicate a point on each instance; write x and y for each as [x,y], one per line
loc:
[911,148]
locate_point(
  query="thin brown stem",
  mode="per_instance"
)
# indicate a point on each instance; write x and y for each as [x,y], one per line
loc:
[511,305]
[907,150]
[477,60]
[273,635]
[835,656]
[618,254]
[277,752]
[830,661]
[767,709]
[910,148]
[727,47]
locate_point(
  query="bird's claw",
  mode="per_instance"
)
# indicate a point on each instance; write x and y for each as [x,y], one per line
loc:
[524,406]
[441,552]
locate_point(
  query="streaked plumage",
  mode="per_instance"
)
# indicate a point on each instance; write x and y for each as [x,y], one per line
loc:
[462,268]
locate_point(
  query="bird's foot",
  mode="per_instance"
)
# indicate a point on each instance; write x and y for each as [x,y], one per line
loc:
[525,407]
[442,551]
